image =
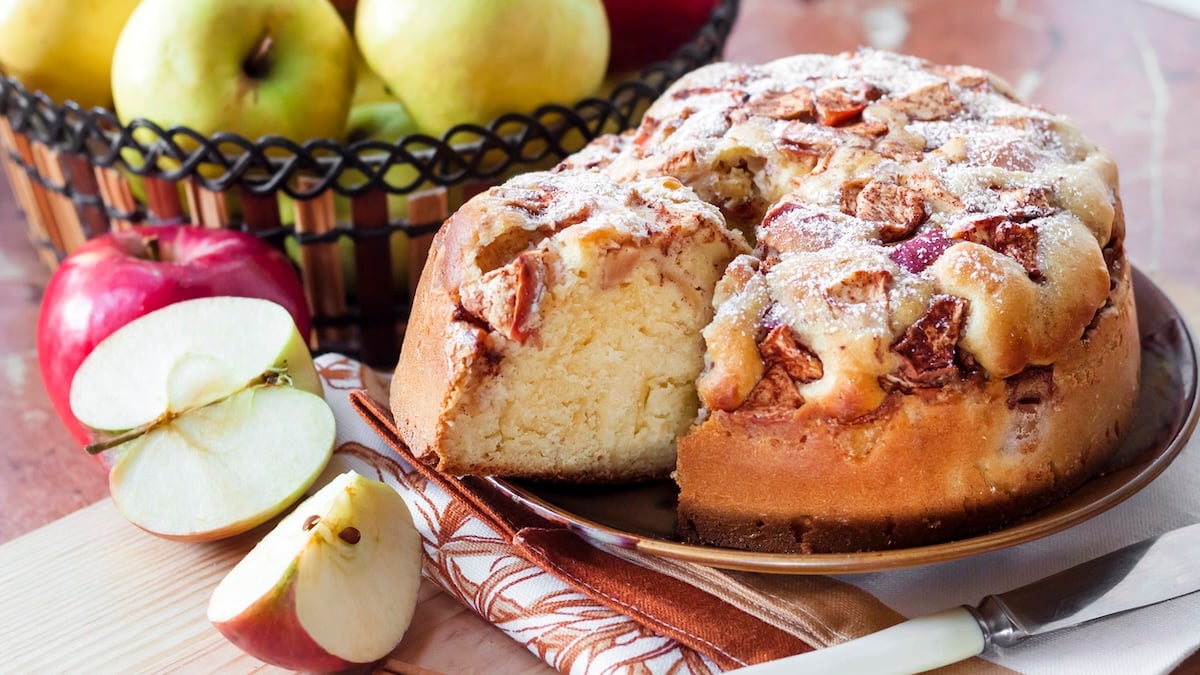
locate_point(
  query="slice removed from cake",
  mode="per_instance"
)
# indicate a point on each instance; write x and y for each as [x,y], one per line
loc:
[555,331]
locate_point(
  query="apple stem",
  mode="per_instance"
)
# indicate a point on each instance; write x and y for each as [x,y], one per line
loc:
[276,377]
[153,250]
[271,377]
[111,442]
[258,64]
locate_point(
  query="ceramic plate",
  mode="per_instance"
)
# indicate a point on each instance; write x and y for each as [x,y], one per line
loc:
[642,516]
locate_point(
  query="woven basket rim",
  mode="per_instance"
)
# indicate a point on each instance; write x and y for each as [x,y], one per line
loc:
[270,164]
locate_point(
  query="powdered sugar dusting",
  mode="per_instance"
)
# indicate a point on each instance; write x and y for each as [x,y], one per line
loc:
[807,133]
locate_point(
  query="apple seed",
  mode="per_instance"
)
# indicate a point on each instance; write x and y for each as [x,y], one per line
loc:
[350,535]
[311,522]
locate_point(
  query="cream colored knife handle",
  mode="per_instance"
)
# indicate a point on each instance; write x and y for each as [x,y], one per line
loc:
[914,646]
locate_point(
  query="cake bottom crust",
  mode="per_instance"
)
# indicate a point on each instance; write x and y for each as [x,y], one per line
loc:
[927,467]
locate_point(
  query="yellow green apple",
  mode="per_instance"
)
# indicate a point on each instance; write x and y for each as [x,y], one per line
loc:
[250,67]
[456,61]
[386,121]
[398,242]
[62,47]
[373,117]
[368,86]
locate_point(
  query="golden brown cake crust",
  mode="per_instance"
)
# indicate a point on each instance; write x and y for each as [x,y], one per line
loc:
[924,468]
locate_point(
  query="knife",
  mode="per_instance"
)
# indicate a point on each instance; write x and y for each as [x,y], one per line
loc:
[1148,572]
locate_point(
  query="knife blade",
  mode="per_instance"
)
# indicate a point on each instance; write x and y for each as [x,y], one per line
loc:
[1148,572]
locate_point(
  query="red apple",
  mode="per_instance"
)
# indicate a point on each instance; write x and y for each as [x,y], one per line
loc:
[645,32]
[120,276]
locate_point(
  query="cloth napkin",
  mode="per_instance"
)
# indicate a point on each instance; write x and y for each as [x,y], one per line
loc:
[585,607]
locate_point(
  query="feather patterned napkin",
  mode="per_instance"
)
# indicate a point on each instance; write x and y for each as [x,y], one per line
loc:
[587,608]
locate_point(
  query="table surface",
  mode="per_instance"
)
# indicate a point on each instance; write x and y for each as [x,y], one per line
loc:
[1127,71]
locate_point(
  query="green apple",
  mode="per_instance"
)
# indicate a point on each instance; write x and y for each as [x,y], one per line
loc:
[398,242]
[381,119]
[62,47]
[368,86]
[378,116]
[214,412]
[250,67]
[332,586]
[456,61]
[386,121]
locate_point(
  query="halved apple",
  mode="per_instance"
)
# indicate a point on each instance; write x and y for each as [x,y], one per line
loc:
[332,586]
[213,410]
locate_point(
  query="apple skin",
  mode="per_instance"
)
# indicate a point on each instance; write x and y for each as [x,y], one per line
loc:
[62,47]
[107,282]
[645,32]
[368,86]
[357,596]
[259,630]
[458,61]
[267,67]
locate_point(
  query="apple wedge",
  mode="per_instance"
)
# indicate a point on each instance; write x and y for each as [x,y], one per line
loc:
[212,409]
[332,586]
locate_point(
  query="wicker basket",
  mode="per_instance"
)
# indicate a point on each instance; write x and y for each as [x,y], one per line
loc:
[78,173]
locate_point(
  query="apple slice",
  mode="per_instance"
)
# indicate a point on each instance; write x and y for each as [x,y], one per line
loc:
[332,586]
[213,411]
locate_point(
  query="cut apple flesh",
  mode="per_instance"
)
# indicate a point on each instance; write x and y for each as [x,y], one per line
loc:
[213,414]
[226,467]
[185,356]
[333,585]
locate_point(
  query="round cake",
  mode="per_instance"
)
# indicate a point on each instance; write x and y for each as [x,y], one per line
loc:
[934,333]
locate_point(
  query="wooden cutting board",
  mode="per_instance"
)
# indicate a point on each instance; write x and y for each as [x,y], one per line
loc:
[91,593]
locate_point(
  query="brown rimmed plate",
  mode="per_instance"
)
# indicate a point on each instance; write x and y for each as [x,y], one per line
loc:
[642,516]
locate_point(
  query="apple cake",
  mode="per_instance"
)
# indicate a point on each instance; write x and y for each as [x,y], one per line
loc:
[933,335]
[555,331]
